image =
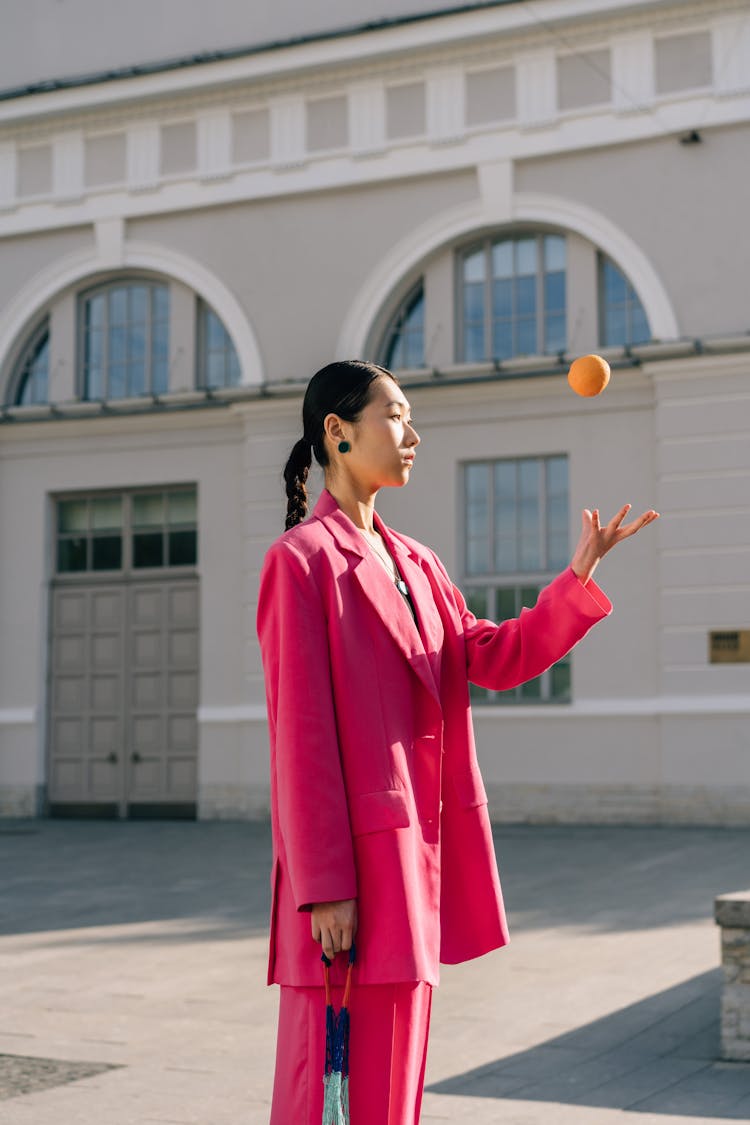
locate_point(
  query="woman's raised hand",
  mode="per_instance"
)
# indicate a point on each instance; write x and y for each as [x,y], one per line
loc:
[334,925]
[596,540]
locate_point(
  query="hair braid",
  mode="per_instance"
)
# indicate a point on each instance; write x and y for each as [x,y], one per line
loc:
[295,475]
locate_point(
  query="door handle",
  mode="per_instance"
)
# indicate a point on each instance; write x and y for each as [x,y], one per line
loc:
[135,756]
[112,757]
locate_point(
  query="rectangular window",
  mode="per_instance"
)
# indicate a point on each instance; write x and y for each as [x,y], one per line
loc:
[127,531]
[516,542]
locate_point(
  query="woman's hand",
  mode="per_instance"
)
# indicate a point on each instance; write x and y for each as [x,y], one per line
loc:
[334,925]
[596,540]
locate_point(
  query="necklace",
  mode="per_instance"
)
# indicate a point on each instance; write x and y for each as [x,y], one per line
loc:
[400,584]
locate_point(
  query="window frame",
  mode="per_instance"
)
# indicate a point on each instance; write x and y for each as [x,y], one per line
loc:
[486,243]
[126,571]
[203,311]
[631,295]
[33,344]
[103,289]
[396,322]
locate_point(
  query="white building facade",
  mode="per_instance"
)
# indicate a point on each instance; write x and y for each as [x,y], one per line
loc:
[471,196]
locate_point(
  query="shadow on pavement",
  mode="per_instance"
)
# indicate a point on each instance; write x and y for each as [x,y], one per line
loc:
[657,1056]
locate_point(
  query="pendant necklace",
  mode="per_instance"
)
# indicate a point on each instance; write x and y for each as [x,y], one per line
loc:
[398,580]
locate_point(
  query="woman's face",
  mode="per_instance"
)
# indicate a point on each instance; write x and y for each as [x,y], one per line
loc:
[383,441]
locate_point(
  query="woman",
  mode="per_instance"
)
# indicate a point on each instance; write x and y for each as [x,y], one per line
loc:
[379,815]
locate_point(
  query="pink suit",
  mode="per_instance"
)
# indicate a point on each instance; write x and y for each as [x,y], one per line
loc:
[375,789]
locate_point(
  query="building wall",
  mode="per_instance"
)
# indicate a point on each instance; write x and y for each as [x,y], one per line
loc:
[302,195]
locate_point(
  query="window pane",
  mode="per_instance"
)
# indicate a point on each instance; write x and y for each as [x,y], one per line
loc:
[502,259]
[215,334]
[477,518]
[215,369]
[506,559]
[148,549]
[118,345]
[554,334]
[106,552]
[72,515]
[136,378]
[554,252]
[526,256]
[554,292]
[94,383]
[532,691]
[95,347]
[473,302]
[474,266]
[414,348]
[502,300]
[148,510]
[473,343]
[530,555]
[95,312]
[560,682]
[159,376]
[529,595]
[616,325]
[525,296]
[137,341]
[639,329]
[235,374]
[106,513]
[615,286]
[71,555]
[505,604]
[117,381]
[526,337]
[138,304]
[118,306]
[160,302]
[181,508]
[182,548]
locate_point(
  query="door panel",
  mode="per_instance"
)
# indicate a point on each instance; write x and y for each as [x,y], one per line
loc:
[124,694]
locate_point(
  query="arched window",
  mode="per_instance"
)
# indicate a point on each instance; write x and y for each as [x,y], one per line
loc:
[404,342]
[218,363]
[512,297]
[622,319]
[125,340]
[31,385]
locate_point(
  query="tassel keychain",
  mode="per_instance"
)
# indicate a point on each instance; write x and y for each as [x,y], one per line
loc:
[336,1076]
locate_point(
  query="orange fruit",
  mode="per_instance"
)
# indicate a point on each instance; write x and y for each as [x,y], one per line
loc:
[589,375]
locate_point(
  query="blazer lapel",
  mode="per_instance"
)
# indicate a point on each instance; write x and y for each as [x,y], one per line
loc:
[381,591]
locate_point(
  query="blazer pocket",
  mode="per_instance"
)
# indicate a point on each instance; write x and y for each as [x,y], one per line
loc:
[469,788]
[376,812]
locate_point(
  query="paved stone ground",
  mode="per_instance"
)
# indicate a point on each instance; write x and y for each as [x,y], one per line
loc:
[132,962]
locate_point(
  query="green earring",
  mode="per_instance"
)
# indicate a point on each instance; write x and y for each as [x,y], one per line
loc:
[344,447]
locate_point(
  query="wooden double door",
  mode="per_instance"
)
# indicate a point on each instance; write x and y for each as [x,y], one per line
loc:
[123,697]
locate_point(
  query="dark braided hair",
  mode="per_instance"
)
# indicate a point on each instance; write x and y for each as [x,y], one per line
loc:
[341,388]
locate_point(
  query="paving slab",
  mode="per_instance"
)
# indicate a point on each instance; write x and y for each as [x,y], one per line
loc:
[132,969]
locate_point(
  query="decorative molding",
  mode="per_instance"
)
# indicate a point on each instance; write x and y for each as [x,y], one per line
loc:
[731,54]
[633,71]
[143,156]
[450,226]
[664,707]
[536,88]
[288,123]
[367,118]
[446,105]
[8,174]
[214,143]
[67,165]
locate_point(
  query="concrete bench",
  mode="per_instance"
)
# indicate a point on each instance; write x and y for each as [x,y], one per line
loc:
[732,913]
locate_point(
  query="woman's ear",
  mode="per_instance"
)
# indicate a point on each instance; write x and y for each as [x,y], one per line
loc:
[333,428]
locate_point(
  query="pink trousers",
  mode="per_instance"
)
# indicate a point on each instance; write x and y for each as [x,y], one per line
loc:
[388,1049]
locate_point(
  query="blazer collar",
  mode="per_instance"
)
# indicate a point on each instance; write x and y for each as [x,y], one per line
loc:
[382,593]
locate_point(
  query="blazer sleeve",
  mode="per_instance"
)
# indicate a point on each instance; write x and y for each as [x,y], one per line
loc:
[502,656]
[305,762]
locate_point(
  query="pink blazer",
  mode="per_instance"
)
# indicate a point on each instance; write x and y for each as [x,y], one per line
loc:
[375,789]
